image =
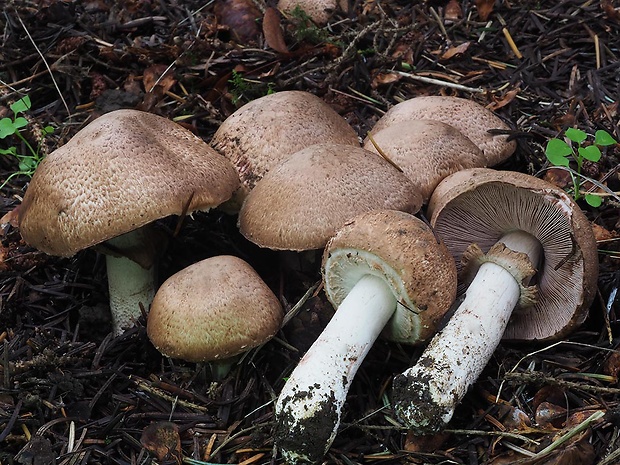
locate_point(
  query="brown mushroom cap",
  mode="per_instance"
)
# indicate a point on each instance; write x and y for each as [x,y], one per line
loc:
[427,151]
[265,131]
[125,169]
[403,251]
[479,205]
[213,309]
[320,11]
[302,202]
[467,116]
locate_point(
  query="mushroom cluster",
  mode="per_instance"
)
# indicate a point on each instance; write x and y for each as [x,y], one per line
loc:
[518,249]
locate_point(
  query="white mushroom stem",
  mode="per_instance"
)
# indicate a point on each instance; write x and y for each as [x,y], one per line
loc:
[129,283]
[426,395]
[309,407]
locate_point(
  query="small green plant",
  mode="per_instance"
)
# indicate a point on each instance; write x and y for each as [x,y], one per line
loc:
[306,29]
[559,153]
[12,127]
[242,88]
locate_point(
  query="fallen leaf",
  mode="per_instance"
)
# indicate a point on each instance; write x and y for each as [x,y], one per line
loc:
[273,32]
[505,100]
[453,51]
[427,443]
[612,365]
[160,76]
[608,8]
[485,8]
[550,415]
[162,439]
[241,17]
[558,177]
[453,11]
[384,78]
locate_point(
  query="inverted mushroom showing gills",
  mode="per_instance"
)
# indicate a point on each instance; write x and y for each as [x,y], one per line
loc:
[529,257]
[469,117]
[387,274]
[213,310]
[121,172]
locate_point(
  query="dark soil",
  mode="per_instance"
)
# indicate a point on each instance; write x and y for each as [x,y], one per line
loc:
[70,393]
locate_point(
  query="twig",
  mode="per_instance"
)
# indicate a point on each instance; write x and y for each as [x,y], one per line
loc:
[415,77]
[49,70]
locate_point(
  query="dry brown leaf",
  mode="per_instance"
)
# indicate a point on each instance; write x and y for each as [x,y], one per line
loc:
[453,51]
[163,440]
[485,8]
[428,443]
[505,100]
[603,234]
[154,76]
[610,11]
[550,415]
[384,78]
[453,11]
[241,17]
[558,177]
[273,32]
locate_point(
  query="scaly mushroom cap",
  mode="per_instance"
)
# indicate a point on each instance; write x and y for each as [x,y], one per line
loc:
[125,169]
[320,11]
[265,131]
[213,309]
[478,206]
[302,202]
[467,116]
[403,251]
[427,151]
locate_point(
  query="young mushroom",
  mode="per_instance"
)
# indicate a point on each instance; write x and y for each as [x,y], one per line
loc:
[427,151]
[386,273]
[529,258]
[264,132]
[469,117]
[213,310]
[121,172]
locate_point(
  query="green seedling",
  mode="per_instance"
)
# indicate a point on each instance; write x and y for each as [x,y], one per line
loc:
[12,127]
[243,88]
[560,153]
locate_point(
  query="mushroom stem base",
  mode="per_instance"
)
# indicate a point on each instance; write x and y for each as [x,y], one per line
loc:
[426,395]
[309,407]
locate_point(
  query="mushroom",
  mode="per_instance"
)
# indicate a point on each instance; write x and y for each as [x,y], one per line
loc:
[504,229]
[264,132]
[302,202]
[469,117]
[385,272]
[121,172]
[319,11]
[213,310]
[427,151]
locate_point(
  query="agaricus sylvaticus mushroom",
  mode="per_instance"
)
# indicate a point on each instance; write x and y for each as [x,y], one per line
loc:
[469,117]
[386,273]
[121,172]
[213,310]
[523,245]
[319,11]
[427,151]
[265,131]
[302,202]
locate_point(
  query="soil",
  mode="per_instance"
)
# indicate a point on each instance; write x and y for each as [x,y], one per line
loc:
[71,393]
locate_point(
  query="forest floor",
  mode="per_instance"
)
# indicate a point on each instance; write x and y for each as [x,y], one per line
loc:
[70,393]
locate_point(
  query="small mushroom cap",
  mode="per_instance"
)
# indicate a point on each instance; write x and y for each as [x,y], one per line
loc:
[402,250]
[265,131]
[469,117]
[479,205]
[125,169]
[427,151]
[213,309]
[302,202]
[320,11]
